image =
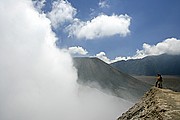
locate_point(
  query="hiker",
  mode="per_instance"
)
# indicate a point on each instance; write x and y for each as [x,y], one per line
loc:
[159,81]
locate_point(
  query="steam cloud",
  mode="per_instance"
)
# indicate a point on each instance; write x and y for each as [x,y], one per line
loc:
[37,80]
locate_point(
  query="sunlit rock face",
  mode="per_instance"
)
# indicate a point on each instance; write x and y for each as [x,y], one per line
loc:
[157,104]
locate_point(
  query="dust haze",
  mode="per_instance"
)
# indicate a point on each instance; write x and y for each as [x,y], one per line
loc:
[38,80]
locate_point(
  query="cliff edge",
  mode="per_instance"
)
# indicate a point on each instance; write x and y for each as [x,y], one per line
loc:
[156,104]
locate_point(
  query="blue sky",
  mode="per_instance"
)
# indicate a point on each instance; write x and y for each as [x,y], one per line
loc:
[151,22]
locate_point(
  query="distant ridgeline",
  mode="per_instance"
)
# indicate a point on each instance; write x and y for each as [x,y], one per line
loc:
[151,65]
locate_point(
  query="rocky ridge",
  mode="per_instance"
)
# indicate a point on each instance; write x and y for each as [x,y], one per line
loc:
[157,104]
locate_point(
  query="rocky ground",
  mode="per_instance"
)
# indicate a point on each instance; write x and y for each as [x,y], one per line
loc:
[157,104]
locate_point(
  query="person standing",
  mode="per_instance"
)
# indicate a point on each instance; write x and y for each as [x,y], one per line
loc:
[159,81]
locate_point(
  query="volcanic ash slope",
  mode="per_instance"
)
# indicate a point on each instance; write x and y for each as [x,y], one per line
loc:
[94,70]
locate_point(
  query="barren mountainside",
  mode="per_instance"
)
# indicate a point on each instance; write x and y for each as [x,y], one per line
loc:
[151,65]
[93,71]
[157,104]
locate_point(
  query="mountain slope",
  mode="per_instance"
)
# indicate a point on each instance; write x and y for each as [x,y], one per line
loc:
[157,104]
[151,65]
[93,70]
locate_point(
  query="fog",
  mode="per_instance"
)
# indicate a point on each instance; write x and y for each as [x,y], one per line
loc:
[37,79]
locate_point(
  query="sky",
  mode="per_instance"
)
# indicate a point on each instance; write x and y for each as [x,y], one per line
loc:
[114,30]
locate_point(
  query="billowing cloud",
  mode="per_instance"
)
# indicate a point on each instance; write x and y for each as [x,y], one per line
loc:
[38,80]
[103,4]
[102,56]
[62,11]
[168,46]
[119,58]
[100,26]
[39,4]
[77,50]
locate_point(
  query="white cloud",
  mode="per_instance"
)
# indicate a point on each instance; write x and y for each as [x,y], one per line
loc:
[39,4]
[38,80]
[62,11]
[119,58]
[100,26]
[169,46]
[77,50]
[103,4]
[102,56]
